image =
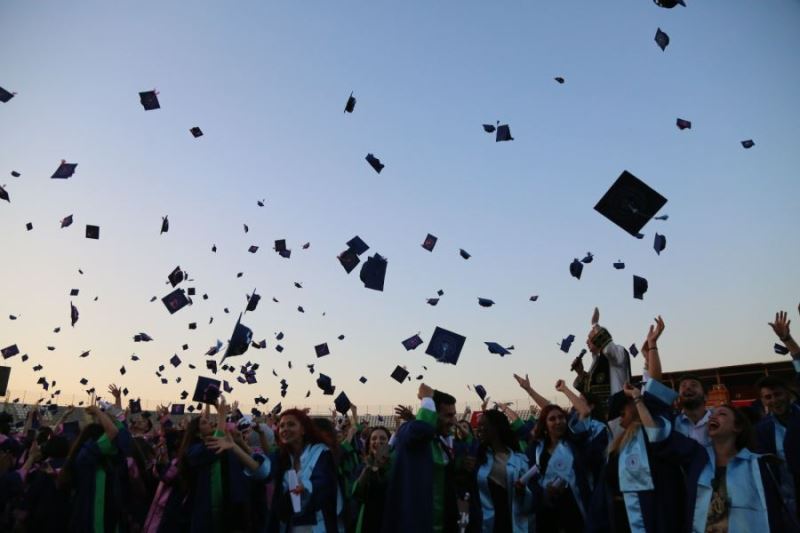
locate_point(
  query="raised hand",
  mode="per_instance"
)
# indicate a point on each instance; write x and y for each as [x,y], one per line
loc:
[630,391]
[115,391]
[424,391]
[561,386]
[404,413]
[596,316]
[655,332]
[781,325]
[219,444]
[525,382]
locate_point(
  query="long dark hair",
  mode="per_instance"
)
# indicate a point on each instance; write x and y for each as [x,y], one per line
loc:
[746,437]
[540,430]
[311,434]
[191,436]
[369,437]
[92,431]
[502,428]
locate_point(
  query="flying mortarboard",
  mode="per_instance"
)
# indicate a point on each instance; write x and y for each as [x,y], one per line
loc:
[588,258]
[464,253]
[503,133]
[399,374]
[683,124]
[630,203]
[122,370]
[668,4]
[639,287]
[576,268]
[566,343]
[559,79]
[357,245]
[485,302]
[619,265]
[375,163]
[240,340]
[659,243]
[9,351]
[29,226]
[142,337]
[634,351]
[73,313]
[176,409]
[432,301]
[480,391]
[253,249]
[135,406]
[92,232]
[662,39]
[430,242]
[5,374]
[149,100]
[324,383]
[74,292]
[351,104]
[445,346]
[496,348]
[322,349]
[175,301]
[349,260]
[362,379]
[206,390]
[175,361]
[342,403]
[196,132]
[4,195]
[373,272]
[164,224]
[780,349]
[412,342]
[748,144]
[65,170]
[15,174]
[176,276]
[211,365]
[252,301]
[5,95]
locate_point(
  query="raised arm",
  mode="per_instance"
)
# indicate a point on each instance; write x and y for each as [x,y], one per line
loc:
[579,403]
[652,357]
[110,429]
[525,383]
[644,413]
[117,394]
[781,329]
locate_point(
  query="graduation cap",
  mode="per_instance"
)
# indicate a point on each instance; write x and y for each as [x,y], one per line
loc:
[73,314]
[84,381]
[342,403]
[277,409]
[5,374]
[432,301]
[683,124]
[259,345]
[668,4]
[84,354]
[134,357]
[175,361]
[214,248]
[375,163]
[619,265]
[445,346]
[253,249]
[4,195]
[325,384]
[440,292]
[480,391]
[211,365]
[559,79]
[497,348]
[349,260]
[340,337]
[92,232]
[639,287]
[780,349]
[430,242]
[634,351]
[280,245]
[29,226]
[5,95]
[357,245]
[630,203]
[246,229]
[252,301]
[135,406]
[659,243]
[240,340]
[588,258]
[566,343]
[149,100]
[485,302]
[373,272]
[206,390]
[122,370]
[176,409]
[66,221]
[576,268]
[175,301]
[15,174]
[362,379]
[503,133]
[9,351]
[662,39]
[351,104]
[176,276]
[412,342]
[260,203]
[65,170]
[196,132]
[74,292]
[322,349]
[399,374]
[164,224]
[464,253]
[748,144]
[534,298]
[142,337]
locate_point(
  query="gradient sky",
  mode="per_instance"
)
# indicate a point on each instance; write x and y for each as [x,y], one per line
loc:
[267,82]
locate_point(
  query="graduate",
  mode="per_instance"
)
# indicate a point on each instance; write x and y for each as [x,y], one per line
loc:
[369,489]
[506,503]
[422,493]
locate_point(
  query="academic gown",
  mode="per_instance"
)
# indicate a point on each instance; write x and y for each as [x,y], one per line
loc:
[518,510]
[783,441]
[369,494]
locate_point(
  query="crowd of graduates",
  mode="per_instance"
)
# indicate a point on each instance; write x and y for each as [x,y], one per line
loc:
[624,456]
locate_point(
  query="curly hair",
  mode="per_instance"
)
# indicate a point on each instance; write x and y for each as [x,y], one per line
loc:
[540,430]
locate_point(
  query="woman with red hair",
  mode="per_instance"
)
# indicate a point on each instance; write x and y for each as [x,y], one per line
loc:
[305,478]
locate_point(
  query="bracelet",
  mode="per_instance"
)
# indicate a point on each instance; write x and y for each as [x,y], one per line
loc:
[637,399]
[653,349]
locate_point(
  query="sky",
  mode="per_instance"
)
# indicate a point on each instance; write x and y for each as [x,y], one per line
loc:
[267,83]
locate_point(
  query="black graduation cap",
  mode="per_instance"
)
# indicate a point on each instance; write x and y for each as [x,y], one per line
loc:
[534,298]
[176,276]
[362,379]
[214,248]
[566,343]
[280,245]
[373,272]
[683,124]
[662,39]
[196,132]
[84,381]
[74,292]
[176,409]
[9,351]
[559,79]
[240,340]
[175,361]
[4,195]
[134,357]
[576,268]
[15,174]
[211,365]
[149,100]
[322,349]
[503,133]
[5,95]
[164,224]
[73,314]
[496,348]
[630,203]
[748,144]
[340,337]
[206,390]
[253,249]
[65,170]
[260,203]
[639,287]
[184,395]
[659,243]
[342,403]
[259,345]
[634,351]
[481,391]
[29,226]
[464,253]
[142,337]
[191,291]
[668,4]
[375,163]
[85,354]
[357,245]
[92,232]
[175,301]
[135,406]
[125,391]
[430,242]
[192,325]
[277,409]
[588,258]
[489,128]
[412,342]
[351,104]
[324,383]
[780,349]
[122,370]
[349,260]
[246,229]
[252,301]
[619,265]
[445,346]
[485,302]
[432,301]
[5,374]
[399,374]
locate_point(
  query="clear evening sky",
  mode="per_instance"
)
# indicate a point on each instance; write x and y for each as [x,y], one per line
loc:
[267,83]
